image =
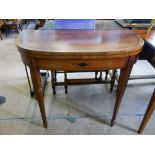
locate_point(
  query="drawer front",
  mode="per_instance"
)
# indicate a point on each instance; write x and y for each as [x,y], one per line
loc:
[81,65]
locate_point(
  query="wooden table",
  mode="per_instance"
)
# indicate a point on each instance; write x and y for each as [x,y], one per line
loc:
[126,24]
[80,50]
[148,53]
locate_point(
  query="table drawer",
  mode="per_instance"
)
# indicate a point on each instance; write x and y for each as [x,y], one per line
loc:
[81,65]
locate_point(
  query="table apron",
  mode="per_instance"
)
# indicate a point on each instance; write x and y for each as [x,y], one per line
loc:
[81,65]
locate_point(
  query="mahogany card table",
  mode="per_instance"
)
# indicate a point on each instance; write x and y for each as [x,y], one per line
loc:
[79,50]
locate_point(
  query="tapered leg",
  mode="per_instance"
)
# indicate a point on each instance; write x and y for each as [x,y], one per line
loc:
[28,79]
[96,73]
[148,113]
[53,80]
[100,77]
[106,74]
[36,80]
[55,76]
[65,80]
[124,76]
[113,80]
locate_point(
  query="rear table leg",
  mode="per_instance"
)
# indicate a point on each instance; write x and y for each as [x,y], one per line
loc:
[53,81]
[65,80]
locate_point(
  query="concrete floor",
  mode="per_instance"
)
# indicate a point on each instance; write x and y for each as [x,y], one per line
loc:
[86,109]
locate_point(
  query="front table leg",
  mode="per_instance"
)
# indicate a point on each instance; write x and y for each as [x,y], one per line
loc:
[123,80]
[36,79]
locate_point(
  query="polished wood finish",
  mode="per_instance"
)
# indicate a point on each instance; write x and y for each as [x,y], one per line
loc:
[123,79]
[36,79]
[1,23]
[148,37]
[79,50]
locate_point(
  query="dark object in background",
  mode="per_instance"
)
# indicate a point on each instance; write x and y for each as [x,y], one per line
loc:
[142,24]
[2,99]
[1,36]
[14,24]
[39,23]
[139,20]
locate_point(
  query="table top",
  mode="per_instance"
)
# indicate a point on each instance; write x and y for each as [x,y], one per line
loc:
[79,41]
[148,37]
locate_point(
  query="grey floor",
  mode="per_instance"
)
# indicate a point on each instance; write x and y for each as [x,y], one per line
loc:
[86,109]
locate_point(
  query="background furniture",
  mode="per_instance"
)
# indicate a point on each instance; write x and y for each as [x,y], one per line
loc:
[13,24]
[89,50]
[148,54]
[38,22]
[28,21]
[148,113]
[1,25]
[134,23]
